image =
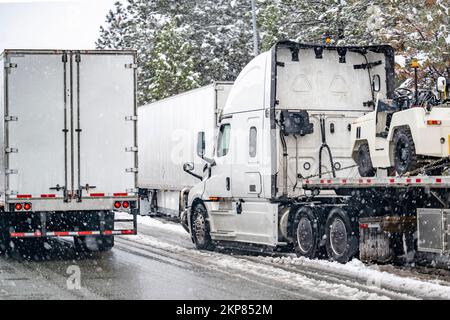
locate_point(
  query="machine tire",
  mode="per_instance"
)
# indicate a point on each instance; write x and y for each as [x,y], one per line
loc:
[341,238]
[405,158]
[200,229]
[307,233]
[365,166]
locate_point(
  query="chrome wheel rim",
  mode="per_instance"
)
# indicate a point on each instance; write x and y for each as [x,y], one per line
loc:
[338,236]
[304,235]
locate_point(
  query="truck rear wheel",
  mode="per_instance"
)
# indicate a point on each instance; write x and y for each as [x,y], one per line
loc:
[200,228]
[405,158]
[342,241]
[307,233]
[365,166]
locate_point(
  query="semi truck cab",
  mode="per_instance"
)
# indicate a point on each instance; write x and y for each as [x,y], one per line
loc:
[287,118]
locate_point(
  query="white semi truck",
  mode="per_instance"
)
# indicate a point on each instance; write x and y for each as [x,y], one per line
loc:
[68,156]
[281,174]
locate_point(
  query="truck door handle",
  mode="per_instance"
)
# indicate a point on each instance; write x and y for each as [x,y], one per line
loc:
[228,183]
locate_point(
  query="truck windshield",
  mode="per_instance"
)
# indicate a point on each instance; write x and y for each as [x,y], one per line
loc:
[223,142]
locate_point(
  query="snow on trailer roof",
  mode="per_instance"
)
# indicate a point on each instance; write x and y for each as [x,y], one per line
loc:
[384,182]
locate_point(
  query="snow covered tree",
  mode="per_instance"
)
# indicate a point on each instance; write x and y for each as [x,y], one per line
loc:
[116,34]
[171,64]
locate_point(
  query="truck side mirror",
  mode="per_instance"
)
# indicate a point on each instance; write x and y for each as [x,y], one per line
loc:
[376,83]
[201,144]
[188,166]
[441,84]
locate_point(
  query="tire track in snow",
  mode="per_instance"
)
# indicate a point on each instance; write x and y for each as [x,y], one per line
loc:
[312,283]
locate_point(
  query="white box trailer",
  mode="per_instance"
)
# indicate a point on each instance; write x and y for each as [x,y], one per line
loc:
[69,151]
[168,133]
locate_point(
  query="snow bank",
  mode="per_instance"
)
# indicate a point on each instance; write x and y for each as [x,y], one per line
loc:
[370,274]
[306,287]
[155,223]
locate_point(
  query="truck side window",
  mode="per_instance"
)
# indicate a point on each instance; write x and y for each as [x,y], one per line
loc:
[252,142]
[223,142]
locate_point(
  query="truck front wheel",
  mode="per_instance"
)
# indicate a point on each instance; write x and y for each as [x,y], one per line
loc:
[200,230]
[342,241]
[307,233]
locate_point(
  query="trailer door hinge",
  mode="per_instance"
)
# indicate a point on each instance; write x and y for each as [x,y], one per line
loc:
[11,118]
[11,150]
[367,65]
[131,149]
[131,118]
[11,171]
[11,192]
[131,170]
[131,65]
[9,65]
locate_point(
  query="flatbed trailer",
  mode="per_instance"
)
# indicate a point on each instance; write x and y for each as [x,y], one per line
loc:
[405,217]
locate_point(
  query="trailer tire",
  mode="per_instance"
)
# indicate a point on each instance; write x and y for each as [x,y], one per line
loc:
[341,238]
[364,161]
[307,233]
[405,158]
[5,239]
[200,229]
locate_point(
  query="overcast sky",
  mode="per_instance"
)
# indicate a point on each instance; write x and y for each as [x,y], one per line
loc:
[51,24]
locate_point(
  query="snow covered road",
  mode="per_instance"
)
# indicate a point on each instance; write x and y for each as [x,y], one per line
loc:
[162,263]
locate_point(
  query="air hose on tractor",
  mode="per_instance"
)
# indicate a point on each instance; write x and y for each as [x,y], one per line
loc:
[325,146]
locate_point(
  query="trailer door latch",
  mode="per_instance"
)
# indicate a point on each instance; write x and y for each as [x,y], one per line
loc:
[11,118]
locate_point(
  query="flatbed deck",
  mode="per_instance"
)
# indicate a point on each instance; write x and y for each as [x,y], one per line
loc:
[435,182]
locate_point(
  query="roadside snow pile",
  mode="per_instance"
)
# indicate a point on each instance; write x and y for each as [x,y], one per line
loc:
[369,274]
[155,223]
[305,287]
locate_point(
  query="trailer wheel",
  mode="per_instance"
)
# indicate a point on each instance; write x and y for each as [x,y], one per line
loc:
[405,158]
[200,228]
[5,239]
[365,166]
[342,241]
[307,233]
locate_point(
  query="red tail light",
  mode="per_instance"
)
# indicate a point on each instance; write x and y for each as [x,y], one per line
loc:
[27,206]
[125,204]
[18,206]
[117,204]
[434,122]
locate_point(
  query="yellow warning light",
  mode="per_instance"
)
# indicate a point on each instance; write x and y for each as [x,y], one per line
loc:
[327,40]
[415,63]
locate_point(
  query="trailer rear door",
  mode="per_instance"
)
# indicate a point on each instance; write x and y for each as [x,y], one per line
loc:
[35,121]
[105,126]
